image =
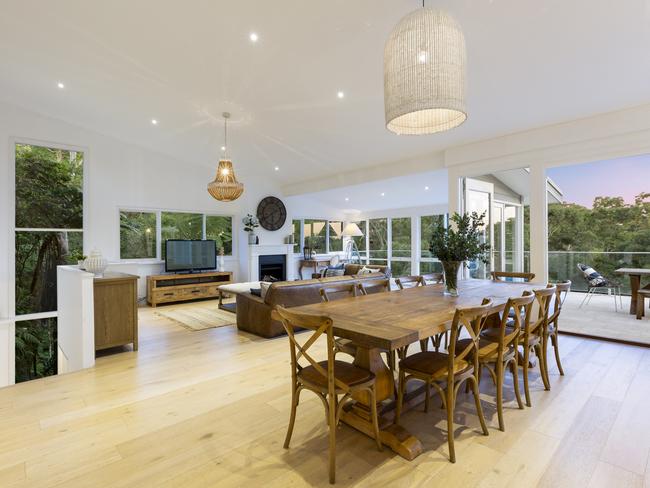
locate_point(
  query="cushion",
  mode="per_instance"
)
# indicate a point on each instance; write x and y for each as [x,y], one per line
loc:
[264,287]
[593,277]
[366,270]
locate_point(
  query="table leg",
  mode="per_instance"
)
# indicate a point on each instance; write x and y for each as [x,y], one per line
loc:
[358,414]
[635,284]
[301,268]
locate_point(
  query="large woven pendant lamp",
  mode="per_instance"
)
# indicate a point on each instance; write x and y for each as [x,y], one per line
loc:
[225,186]
[424,74]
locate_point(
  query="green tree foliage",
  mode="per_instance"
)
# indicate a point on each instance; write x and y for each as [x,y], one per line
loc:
[137,235]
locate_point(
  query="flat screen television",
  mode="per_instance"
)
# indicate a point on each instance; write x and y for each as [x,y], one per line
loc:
[190,255]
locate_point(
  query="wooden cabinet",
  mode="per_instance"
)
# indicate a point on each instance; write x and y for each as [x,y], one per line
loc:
[182,287]
[116,310]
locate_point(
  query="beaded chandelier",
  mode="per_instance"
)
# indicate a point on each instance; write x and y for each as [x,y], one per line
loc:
[225,186]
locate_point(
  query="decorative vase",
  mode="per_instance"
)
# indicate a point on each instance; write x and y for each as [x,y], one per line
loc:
[450,270]
[252,238]
[95,263]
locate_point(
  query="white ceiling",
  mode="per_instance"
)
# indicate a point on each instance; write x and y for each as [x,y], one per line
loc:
[531,63]
[414,190]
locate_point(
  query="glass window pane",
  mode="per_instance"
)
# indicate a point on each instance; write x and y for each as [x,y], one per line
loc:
[427,267]
[336,240]
[137,235]
[36,349]
[49,188]
[315,235]
[378,237]
[180,226]
[37,256]
[497,228]
[219,228]
[427,224]
[400,268]
[360,241]
[296,236]
[401,237]
[510,223]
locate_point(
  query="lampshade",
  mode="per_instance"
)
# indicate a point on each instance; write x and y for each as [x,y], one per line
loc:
[225,186]
[352,230]
[424,74]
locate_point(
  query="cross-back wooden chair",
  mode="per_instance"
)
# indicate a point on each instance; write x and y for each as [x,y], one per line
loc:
[512,276]
[374,286]
[433,278]
[499,348]
[552,332]
[532,337]
[447,372]
[333,292]
[409,282]
[329,379]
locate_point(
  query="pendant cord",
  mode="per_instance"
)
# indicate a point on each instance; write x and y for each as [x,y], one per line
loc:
[225,138]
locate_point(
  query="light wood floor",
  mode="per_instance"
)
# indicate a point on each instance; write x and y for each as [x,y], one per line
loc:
[210,408]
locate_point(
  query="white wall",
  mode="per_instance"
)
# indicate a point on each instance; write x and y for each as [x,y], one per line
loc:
[118,175]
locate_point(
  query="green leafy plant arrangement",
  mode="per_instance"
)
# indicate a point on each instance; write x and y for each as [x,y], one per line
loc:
[462,240]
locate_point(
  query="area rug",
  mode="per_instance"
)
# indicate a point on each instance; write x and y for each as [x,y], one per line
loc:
[197,316]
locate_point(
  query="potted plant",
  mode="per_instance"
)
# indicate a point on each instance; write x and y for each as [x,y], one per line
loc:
[250,224]
[78,257]
[460,242]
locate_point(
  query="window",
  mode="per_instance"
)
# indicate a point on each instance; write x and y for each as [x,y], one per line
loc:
[400,263]
[296,236]
[378,241]
[219,228]
[315,235]
[48,233]
[335,237]
[428,262]
[138,236]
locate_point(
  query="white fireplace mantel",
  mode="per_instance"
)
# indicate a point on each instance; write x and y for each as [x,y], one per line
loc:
[257,250]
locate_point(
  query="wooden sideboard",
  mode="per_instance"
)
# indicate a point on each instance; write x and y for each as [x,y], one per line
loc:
[182,287]
[116,310]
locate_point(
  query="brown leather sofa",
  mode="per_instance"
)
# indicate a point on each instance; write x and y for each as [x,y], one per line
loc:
[254,313]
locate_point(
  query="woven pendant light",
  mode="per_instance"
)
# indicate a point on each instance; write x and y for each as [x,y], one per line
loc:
[225,186]
[424,74]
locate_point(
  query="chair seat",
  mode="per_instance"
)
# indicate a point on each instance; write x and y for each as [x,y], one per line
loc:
[347,373]
[434,364]
[346,346]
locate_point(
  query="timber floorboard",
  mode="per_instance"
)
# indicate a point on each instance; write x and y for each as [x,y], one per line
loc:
[210,408]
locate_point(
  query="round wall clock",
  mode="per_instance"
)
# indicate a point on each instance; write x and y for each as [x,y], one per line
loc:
[271,213]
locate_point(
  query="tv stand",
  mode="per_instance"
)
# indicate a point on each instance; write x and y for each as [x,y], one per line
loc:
[169,288]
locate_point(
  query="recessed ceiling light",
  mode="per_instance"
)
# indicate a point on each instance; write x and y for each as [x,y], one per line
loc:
[347,199]
[154,121]
[223,148]
[426,187]
[277,168]
[383,194]
[253,37]
[340,94]
[60,85]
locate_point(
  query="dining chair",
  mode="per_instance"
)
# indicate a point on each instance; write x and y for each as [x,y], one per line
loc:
[641,295]
[446,372]
[552,331]
[512,276]
[433,278]
[366,287]
[409,282]
[500,350]
[329,379]
[332,292]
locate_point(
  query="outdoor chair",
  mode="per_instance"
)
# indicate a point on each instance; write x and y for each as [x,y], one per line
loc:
[597,282]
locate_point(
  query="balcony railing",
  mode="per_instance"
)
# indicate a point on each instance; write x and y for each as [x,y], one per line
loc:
[563,265]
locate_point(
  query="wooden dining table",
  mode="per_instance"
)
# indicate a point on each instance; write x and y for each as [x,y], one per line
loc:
[635,275]
[390,321]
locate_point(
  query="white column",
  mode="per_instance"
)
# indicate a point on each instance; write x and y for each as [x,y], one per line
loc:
[538,223]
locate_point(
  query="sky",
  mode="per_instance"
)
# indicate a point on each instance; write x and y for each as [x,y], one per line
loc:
[626,177]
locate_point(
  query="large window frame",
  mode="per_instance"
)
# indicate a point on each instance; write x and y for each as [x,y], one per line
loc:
[11,320]
[328,232]
[158,212]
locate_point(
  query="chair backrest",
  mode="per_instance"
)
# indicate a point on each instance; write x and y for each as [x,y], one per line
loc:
[561,291]
[320,325]
[374,286]
[472,320]
[540,324]
[512,276]
[338,290]
[517,312]
[433,278]
[409,282]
